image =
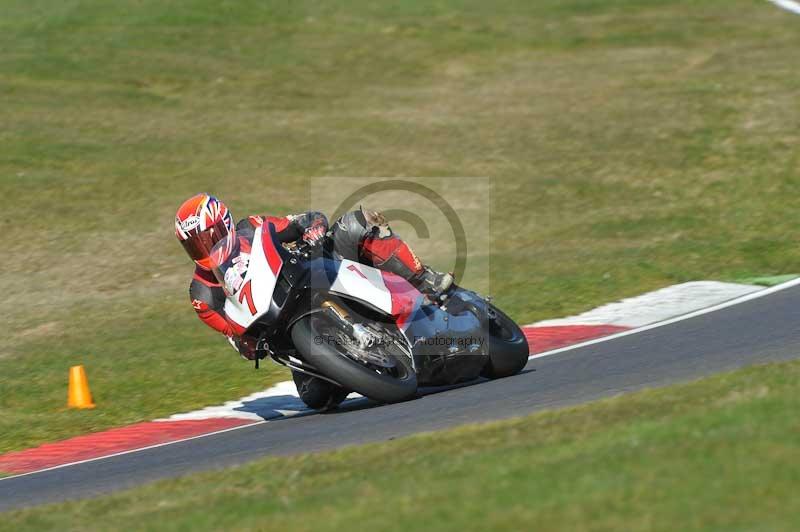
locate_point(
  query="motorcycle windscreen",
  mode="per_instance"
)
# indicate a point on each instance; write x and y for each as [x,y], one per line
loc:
[247,267]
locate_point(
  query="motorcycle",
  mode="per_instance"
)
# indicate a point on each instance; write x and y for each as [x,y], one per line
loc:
[345,326]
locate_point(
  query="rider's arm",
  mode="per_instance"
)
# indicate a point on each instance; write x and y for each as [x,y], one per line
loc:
[202,295]
[207,300]
[307,225]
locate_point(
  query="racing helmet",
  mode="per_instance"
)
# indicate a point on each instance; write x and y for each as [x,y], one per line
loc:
[201,222]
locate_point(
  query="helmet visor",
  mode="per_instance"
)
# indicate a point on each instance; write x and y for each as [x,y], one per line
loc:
[199,246]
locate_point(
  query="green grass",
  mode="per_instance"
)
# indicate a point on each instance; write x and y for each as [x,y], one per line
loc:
[769,280]
[721,453]
[633,144]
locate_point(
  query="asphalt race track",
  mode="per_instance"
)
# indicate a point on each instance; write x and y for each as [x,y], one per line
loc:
[765,329]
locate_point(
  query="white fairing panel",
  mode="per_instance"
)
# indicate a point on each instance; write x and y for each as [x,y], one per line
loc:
[364,283]
[261,281]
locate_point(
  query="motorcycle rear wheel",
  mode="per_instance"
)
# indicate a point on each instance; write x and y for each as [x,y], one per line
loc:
[311,336]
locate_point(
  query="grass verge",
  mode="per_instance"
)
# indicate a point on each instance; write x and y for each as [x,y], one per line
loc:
[721,453]
[632,143]
[769,280]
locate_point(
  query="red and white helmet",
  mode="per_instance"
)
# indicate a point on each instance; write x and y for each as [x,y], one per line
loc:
[201,222]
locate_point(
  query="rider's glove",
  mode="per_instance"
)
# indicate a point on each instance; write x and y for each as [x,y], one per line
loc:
[314,234]
[247,347]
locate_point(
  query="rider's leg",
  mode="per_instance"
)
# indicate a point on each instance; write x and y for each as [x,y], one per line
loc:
[346,235]
[393,255]
[366,236]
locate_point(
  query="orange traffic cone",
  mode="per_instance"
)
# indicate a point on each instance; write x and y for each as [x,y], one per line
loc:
[79,395]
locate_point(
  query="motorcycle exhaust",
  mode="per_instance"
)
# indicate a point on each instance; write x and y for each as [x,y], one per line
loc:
[337,310]
[363,336]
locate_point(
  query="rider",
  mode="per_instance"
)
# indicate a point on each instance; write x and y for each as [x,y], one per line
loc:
[361,235]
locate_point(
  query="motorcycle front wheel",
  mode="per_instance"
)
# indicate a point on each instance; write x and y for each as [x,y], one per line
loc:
[324,344]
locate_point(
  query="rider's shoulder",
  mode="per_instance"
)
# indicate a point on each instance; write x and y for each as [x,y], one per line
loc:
[204,277]
[251,222]
[201,290]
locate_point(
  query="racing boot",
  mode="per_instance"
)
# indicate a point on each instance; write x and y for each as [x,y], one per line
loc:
[430,282]
[403,262]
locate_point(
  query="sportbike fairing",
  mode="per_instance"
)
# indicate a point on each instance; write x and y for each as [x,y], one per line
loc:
[247,267]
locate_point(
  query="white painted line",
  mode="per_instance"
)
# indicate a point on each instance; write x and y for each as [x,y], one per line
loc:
[743,299]
[720,306]
[788,5]
[134,450]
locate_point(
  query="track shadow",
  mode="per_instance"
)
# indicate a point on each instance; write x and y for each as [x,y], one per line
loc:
[274,407]
[285,406]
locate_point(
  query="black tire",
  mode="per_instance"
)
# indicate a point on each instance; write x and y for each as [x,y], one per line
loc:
[317,393]
[508,347]
[332,362]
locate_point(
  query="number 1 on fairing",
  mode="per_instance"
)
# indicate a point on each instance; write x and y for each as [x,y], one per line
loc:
[353,268]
